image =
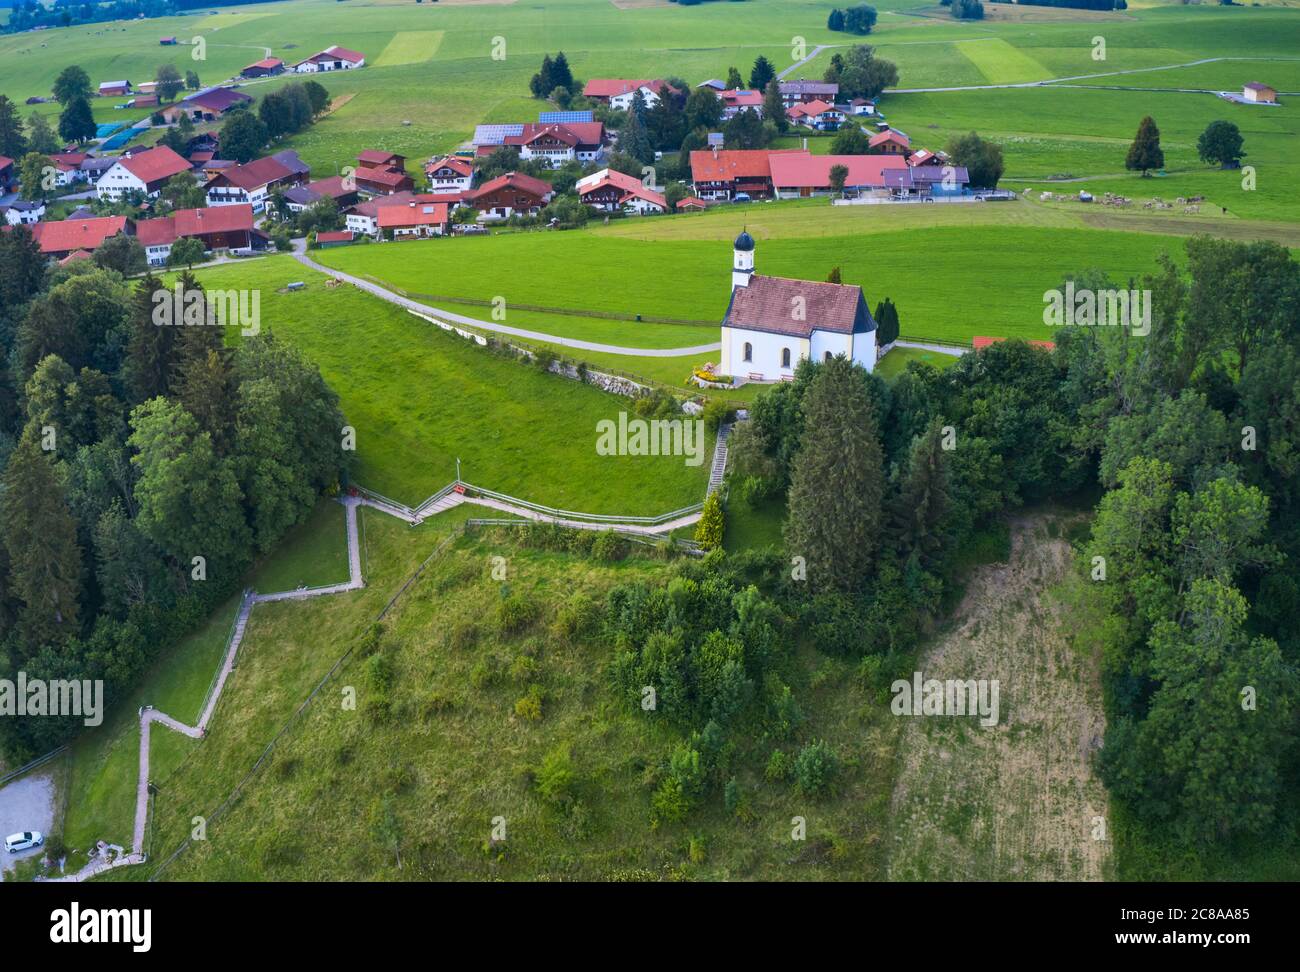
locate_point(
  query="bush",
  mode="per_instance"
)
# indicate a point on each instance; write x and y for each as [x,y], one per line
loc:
[608,546]
[708,532]
[530,706]
[669,804]
[815,768]
[486,673]
[463,634]
[715,413]
[379,674]
[778,767]
[555,777]
[516,613]
[577,616]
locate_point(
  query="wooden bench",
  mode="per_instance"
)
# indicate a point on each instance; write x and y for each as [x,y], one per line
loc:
[755,376]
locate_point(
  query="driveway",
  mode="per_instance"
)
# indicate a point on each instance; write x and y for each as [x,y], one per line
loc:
[26,804]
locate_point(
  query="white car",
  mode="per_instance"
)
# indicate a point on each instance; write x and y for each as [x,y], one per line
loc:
[21,842]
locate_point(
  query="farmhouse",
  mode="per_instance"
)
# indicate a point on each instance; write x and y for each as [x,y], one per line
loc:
[691,204]
[422,216]
[333,58]
[364,216]
[449,173]
[143,172]
[60,239]
[266,68]
[801,91]
[802,174]
[738,100]
[23,213]
[114,89]
[817,114]
[300,197]
[928,180]
[612,191]
[1259,93]
[207,105]
[512,194]
[219,227]
[619,92]
[252,182]
[724,173]
[890,142]
[67,167]
[556,144]
[773,322]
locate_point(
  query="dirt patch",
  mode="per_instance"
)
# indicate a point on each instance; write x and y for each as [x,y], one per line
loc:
[1018,800]
[337,102]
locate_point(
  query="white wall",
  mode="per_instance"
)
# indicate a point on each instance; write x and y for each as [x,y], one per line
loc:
[766,353]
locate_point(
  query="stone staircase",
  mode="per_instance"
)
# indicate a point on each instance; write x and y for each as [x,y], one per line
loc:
[719,467]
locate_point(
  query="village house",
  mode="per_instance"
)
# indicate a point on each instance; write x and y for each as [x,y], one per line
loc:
[927,181]
[738,100]
[298,198]
[619,92]
[801,174]
[219,228]
[691,204]
[207,105]
[926,157]
[382,173]
[718,173]
[817,114]
[333,58]
[1259,93]
[268,67]
[890,142]
[801,91]
[143,172]
[363,218]
[422,216]
[773,322]
[612,191]
[449,173]
[23,213]
[59,240]
[556,144]
[114,89]
[252,182]
[144,101]
[511,194]
[67,167]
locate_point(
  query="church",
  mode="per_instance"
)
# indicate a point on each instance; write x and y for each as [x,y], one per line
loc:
[772,322]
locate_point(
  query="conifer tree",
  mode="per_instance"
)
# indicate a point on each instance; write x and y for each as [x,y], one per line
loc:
[921,497]
[1145,152]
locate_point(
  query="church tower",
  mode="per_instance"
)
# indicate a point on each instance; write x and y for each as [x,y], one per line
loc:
[742,264]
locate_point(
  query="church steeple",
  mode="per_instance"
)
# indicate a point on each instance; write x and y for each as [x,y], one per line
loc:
[742,264]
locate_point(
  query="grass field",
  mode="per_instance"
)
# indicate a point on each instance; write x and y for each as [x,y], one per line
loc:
[420,399]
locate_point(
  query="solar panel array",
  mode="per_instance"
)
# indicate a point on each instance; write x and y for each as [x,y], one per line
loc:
[495,134]
[565,117]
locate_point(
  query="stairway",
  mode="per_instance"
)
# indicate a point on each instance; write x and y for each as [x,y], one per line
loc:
[719,467]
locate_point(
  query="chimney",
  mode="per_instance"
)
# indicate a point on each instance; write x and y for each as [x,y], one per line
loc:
[715,149]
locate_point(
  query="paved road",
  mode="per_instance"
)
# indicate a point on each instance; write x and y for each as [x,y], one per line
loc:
[26,804]
[407,304]
[798,64]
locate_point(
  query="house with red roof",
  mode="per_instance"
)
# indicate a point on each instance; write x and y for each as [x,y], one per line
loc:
[612,191]
[219,227]
[67,167]
[449,173]
[341,190]
[692,204]
[816,114]
[209,104]
[335,238]
[268,67]
[422,216]
[58,240]
[143,172]
[718,173]
[620,92]
[801,174]
[891,142]
[382,173]
[556,144]
[511,194]
[736,100]
[252,182]
[333,58]
[772,323]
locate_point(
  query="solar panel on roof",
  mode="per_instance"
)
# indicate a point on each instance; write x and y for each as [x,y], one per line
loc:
[495,134]
[565,117]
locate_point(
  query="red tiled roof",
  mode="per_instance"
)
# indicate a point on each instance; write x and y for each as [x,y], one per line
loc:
[154,165]
[371,207]
[383,177]
[515,180]
[335,52]
[156,232]
[75,256]
[729,164]
[889,135]
[255,174]
[766,305]
[216,99]
[810,108]
[418,212]
[77,234]
[692,202]
[613,87]
[462,166]
[378,157]
[335,236]
[5,162]
[741,98]
[267,62]
[214,219]
[572,133]
[794,170]
[331,186]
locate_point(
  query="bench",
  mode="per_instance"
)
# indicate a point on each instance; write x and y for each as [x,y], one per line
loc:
[755,376]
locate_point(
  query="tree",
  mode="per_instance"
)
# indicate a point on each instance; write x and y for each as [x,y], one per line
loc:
[152,356]
[542,83]
[169,82]
[839,173]
[773,107]
[22,267]
[182,191]
[838,480]
[835,21]
[242,136]
[860,19]
[703,110]
[744,130]
[666,124]
[40,536]
[13,142]
[40,137]
[192,81]
[1145,152]
[761,74]
[835,276]
[35,176]
[1221,142]
[122,253]
[981,159]
[186,252]
[77,122]
[922,497]
[708,532]
[317,96]
[734,80]
[561,76]
[72,84]
[851,141]
[634,140]
[967,10]
[886,323]
[861,74]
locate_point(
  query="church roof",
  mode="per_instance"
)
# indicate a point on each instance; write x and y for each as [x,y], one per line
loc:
[773,304]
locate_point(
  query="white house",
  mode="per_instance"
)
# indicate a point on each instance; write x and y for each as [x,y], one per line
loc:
[22,213]
[333,58]
[772,322]
[143,172]
[449,173]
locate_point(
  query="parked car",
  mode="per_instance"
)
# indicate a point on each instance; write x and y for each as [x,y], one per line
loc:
[21,842]
[741,197]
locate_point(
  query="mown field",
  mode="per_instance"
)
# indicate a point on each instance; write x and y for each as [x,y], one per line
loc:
[419,399]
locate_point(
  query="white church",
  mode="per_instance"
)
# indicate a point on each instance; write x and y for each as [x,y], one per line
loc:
[772,322]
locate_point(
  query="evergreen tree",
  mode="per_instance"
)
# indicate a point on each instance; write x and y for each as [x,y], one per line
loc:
[40,537]
[886,323]
[922,497]
[152,356]
[561,76]
[834,276]
[22,267]
[837,483]
[734,80]
[13,142]
[773,108]
[205,388]
[703,110]
[835,21]
[634,140]
[77,123]
[192,81]
[543,82]
[762,73]
[1145,152]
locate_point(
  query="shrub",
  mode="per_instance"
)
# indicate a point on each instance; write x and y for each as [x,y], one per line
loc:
[436,704]
[715,413]
[463,634]
[523,669]
[669,804]
[708,532]
[697,850]
[577,616]
[485,673]
[815,768]
[379,674]
[516,612]
[608,546]
[555,777]
[530,706]
[778,767]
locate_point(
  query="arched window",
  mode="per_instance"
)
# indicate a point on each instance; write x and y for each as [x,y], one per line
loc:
[749,351]
[785,357]
[829,356]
